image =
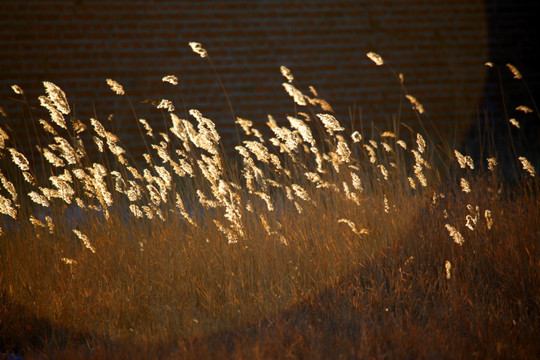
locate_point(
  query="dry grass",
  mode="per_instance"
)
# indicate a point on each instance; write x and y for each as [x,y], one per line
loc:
[316,243]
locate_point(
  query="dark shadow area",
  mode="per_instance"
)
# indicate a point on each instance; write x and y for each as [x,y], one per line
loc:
[512,27]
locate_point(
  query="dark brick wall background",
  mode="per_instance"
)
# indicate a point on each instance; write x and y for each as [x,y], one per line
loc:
[439,46]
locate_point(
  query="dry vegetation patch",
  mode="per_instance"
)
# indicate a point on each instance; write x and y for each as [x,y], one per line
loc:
[313,242]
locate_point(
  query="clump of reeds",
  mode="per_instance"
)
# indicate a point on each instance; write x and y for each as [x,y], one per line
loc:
[191,243]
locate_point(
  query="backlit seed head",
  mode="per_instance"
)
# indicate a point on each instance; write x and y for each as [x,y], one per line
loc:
[492,163]
[465,187]
[514,122]
[388,134]
[514,71]
[352,226]
[383,170]
[166,104]
[412,183]
[489,219]
[416,105]
[376,58]
[116,87]
[68,261]
[84,240]
[147,127]
[7,207]
[525,109]
[58,97]
[19,160]
[170,79]
[245,124]
[371,153]
[356,137]
[296,94]
[421,143]
[464,161]
[527,166]
[136,211]
[448,268]
[386,147]
[56,115]
[455,235]
[198,49]
[287,74]
[3,137]
[402,144]
[17,90]
[330,123]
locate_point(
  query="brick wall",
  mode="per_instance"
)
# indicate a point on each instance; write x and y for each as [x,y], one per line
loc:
[439,46]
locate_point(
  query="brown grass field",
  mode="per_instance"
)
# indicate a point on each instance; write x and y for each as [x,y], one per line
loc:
[312,243]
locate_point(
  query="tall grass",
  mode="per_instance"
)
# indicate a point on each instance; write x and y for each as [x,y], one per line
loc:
[313,241]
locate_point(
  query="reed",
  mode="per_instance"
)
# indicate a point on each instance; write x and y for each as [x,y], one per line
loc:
[315,241]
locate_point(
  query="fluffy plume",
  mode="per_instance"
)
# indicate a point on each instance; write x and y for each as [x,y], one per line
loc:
[416,105]
[170,79]
[58,97]
[330,123]
[376,58]
[84,240]
[198,49]
[455,235]
[287,74]
[116,87]
[527,166]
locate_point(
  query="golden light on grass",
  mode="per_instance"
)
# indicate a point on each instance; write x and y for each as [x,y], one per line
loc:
[17,90]
[455,234]
[289,76]
[465,186]
[448,269]
[166,104]
[464,160]
[514,122]
[492,163]
[198,49]
[171,79]
[489,219]
[19,160]
[376,58]
[527,166]
[116,87]
[58,97]
[191,243]
[296,94]
[514,71]
[524,109]
[415,103]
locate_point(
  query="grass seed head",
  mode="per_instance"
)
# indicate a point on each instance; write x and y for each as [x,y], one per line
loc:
[17,90]
[198,49]
[415,103]
[525,109]
[527,166]
[465,187]
[287,74]
[448,268]
[514,71]
[116,87]
[171,79]
[455,235]
[376,58]
[514,122]
[57,96]
[19,160]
